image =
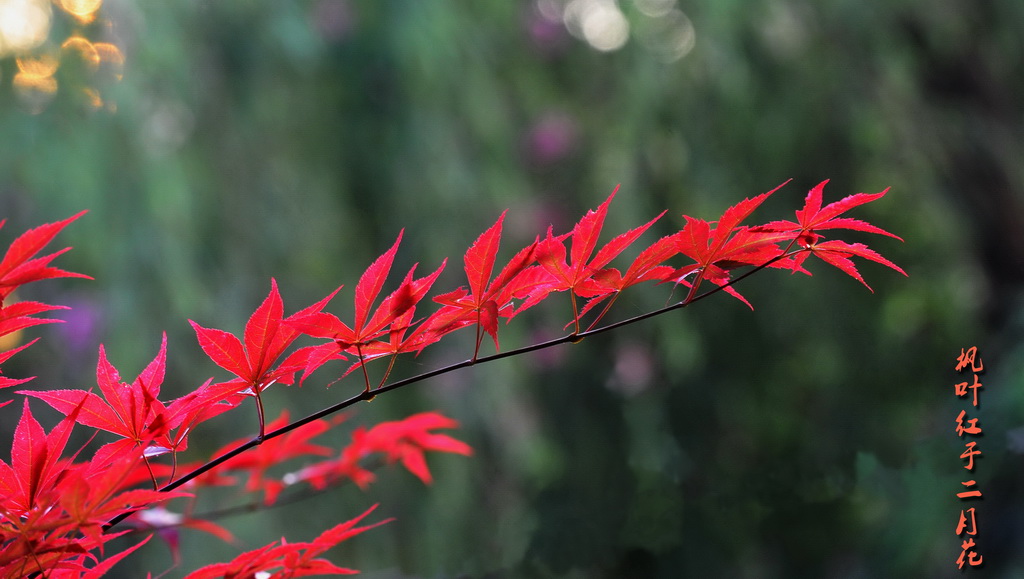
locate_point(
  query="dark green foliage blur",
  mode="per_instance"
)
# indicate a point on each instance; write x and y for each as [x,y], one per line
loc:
[811,437]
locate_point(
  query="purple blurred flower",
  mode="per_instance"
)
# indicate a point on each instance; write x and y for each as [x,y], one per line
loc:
[81,327]
[634,369]
[548,35]
[552,137]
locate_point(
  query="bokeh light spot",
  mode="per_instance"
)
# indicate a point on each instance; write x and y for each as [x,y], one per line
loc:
[83,10]
[599,22]
[34,92]
[671,36]
[24,25]
[83,47]
[44,64]
[92,98]
[111,59]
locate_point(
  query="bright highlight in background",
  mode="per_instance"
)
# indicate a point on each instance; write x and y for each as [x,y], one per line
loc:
[24,25]
[599,22]
[25,28]
[659,25]
[83,10]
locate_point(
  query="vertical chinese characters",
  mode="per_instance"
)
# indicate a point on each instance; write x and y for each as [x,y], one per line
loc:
[967,427]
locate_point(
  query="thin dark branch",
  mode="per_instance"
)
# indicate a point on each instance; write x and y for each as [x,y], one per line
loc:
[368,394]
[252,506]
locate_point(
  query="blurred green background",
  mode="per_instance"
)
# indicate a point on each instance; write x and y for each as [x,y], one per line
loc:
[218,144]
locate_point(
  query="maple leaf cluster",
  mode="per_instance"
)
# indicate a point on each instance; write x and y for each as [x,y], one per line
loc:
[57,513]
[547,266]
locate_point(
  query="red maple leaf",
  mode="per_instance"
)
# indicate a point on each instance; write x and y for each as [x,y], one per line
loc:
[18,316]
[52,509]
[287,560]
[400,441]
[271,452]
[367,328]
[838,253]
[577,275]
[718,249]
[266,336]
[406,440]
[19,266]
[399,340]
[99,569]
[486,299]
[646,267]
[6,382]
[29,481]
[131,411]
[814,218]
[95,492]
